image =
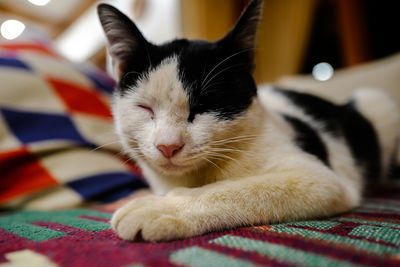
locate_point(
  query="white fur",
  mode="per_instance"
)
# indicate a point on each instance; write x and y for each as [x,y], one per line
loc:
[259,176]
[339,153]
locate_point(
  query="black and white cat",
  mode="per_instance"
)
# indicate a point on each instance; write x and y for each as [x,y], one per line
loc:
[218,152]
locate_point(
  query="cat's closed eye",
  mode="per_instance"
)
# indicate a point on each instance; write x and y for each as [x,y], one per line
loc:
[148,109]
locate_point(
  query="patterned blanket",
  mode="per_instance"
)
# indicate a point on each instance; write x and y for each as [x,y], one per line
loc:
[57,151]
[57,147]
[367,236]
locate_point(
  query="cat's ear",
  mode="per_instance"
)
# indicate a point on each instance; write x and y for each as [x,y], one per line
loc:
[124,38]
[243,35]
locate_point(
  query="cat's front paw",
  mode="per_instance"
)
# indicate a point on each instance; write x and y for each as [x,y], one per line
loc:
[153,218]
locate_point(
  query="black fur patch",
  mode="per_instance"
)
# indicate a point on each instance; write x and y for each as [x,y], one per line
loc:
[217,79]
[363,141]
[216,75]
[308,139]
[344,121]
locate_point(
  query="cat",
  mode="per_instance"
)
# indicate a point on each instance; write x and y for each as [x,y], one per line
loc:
[220,153]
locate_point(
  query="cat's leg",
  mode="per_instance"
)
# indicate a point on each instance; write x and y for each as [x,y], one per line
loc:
[309,192]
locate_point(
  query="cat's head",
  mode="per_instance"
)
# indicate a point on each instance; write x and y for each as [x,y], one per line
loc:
[176,102]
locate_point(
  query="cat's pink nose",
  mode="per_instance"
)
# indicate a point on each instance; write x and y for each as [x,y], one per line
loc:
[170,150]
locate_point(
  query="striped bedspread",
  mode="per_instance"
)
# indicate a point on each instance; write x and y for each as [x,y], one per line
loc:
[367,236]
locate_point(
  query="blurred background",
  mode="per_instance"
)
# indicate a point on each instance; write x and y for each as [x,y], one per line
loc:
[295,36]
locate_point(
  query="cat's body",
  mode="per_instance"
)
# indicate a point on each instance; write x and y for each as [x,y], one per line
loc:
[218,154]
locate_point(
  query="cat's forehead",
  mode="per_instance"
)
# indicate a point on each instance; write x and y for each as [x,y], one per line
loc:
[162,91]
[163,85]
[191,57]
[193,47]
[176,65]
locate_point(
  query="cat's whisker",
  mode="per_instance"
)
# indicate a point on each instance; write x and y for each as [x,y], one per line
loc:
[214,164]
[204,89]
[134,149]
[224,60]
[218,73]
[228,157]
[129,138]
[130,72]
[220,155]
[217,149]
[204,71]
[211,155]
[226,147]
[104,145]
[232,140]
[131,149]
[231,143]
[201,155]
[122,154]
[241,136]
[129,159]
[244,152]
[148,57]
[217,158]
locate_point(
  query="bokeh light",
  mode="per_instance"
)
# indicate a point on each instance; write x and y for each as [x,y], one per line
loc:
[39,2]
[11,29]
[322,71]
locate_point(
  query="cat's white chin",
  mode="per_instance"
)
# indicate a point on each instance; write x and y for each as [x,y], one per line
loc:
[172,166]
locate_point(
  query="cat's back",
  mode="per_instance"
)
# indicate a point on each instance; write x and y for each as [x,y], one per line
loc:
[355,137]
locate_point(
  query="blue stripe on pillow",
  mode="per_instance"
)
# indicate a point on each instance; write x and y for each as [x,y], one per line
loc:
[107,187]
[13,63]
[100,81]
[32,127]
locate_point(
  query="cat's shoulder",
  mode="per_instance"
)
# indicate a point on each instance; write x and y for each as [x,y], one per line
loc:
[292,102]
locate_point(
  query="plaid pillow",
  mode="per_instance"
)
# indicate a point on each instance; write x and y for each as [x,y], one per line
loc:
[57,146]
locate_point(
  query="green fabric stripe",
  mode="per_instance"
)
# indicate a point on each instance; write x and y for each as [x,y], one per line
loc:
[19,223]
[68,217]
[383,224]
[31,232]
[199,257]
[83,224]
[93,213]
[279,252]
[356,243]
[323,225]
[377,233]
[44,215]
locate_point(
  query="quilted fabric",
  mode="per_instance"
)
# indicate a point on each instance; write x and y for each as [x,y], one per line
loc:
[57,147]
[367,236]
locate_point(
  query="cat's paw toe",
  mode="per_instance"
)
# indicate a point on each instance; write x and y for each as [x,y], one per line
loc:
[167,227]
[127,227]
[151,220]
